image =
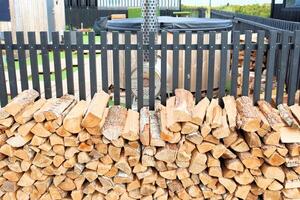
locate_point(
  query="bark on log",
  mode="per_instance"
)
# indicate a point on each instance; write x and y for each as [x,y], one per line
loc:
[114,123]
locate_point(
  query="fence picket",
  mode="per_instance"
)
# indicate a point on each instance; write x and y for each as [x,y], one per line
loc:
[33,61]
[282,68]
[10,64]
[246,66]
[163,82]
[57,64]
[81,70]
[175,59]
[3,89]
[128,68]
[104,74]
[187,59]
[211,64]
[22,60]
[46,65]
[152,61]
[199,66]
[224,54]
[234,67]
[270,65]
[258,65]
[292,85]
[92,62]
[140,70]
[116,68]
[69,62]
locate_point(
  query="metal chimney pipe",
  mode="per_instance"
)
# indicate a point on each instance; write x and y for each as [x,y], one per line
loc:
[150,22]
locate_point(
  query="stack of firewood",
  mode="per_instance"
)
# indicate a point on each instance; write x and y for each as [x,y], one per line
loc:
[61,148]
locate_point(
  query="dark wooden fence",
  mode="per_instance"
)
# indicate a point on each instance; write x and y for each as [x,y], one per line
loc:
[288,51]
[249,22]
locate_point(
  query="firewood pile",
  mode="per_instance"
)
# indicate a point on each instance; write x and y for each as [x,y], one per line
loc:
[61,148]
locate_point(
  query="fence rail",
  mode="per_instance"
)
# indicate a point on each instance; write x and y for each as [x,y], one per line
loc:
[43,69]
[257,23]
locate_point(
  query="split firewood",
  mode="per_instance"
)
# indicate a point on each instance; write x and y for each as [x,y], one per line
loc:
[95,110]
[248,118]
[27,114]
[131,129]
[165,133]
[114,123]
[223,131]
[273,118]
[273,172]
[3,114]
[172,124]
[295,109]
[184,104]
[57,107]
[145,126]
[72,122]
[289,135]
[21,101]
[287,116]
[39,115]
[155,134]
[198,113]
[231,111]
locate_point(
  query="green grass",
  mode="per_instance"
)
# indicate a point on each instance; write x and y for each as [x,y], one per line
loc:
[137,12]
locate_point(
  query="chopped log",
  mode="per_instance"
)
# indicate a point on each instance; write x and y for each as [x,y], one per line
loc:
[244,178]
[195,138]
[184,104]
[252,139]
[27,114]
[234,164]
[145,126]
[39,115]
[18,140]
[292,161]
[131,129]
[231,111]
[248,118]
[296,112]
[172,124]
[114,123]
[72,122]
[8,122]
[197,163]
[287,116]
[165,134]
[210,112]
[223,131]
[95,110]
[275,159]
[198,113]
[39,130]
[58,106]
[155,139]
[167,153]
[249,160]
[229,184]
[217,120]
[3,114]
[273,118]
[242,191]
[21,101]
[273,172]
[289,135]
[188,127]
[240,145]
